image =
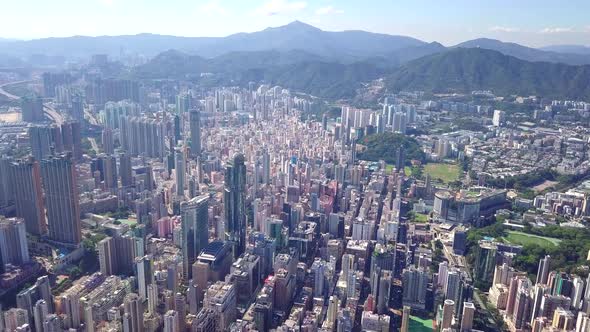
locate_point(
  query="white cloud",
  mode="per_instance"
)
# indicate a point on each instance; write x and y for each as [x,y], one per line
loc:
[107,2]
[280,7]
[328,10]
[556,30]
[503,29]
[213,8]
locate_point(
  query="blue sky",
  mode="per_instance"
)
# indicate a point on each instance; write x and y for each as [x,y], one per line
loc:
[530,22]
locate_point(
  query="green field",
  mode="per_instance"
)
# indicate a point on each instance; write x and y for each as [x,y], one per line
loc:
[419,217]
[521,238]
[128,222]
[445,172]
[390,167]
[420,325]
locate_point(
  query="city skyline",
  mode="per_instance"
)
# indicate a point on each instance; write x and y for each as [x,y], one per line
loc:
[295,179]
[526,22]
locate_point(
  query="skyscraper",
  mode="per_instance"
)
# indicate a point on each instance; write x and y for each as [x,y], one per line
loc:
[144,272]
[116,255]
[543,271]
[180,170]
[195,127]
[195,231]
[125,169]
[265,167]
[406,319]
[171,321]
[109,164]
[40,311]
[108,143]
[71,308]
[41,140]
[28,196]
[134,309]
[180,307]
[415,283]
[14,248]
[32,108]
[235,204]
[61,195]
[28,297]
[447,316]
[468,313]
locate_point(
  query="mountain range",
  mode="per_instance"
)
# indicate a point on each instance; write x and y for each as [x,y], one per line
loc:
[466,69]
[343,46]
[459,69]
[331,64]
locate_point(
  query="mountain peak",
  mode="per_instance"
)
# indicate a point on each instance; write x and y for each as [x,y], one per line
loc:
[300,26]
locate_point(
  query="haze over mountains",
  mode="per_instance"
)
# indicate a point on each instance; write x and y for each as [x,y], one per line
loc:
[332,64]
[343,46]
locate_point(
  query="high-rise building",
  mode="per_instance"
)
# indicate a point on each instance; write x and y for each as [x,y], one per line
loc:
[142,136]
[499,118]
[116,255]
[265,167]
[134,310]
[385,284]
[171,321]
[14,248]
[108,142]
[70,305]
[71,133]
[521,314]
[195,231]
[538,293]
[332,314]
[77,108]
[40,311]
[543,271]
[406,319]
[180,172]
[180,307]
[415,283]
[447,314]
[144,272]
[467,317]
[28,297]
[14,318]
[88,318]
[183,103]
[109,165]
[28,196]
[32,108]
[235,204]
[195,127]
[125,169]
[454,288]
[485,263]
[6,186]
[221,298]
[152,291]
[61,196]
[42,138]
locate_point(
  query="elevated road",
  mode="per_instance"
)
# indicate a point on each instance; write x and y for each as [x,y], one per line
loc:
[54,115]
[8,94]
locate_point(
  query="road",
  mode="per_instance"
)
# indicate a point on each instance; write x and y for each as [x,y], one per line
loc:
[47,107]
[92,121]
[6,93]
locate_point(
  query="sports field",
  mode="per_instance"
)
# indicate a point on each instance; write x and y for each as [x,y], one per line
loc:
[418,324]
[521,238]
[446,172]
